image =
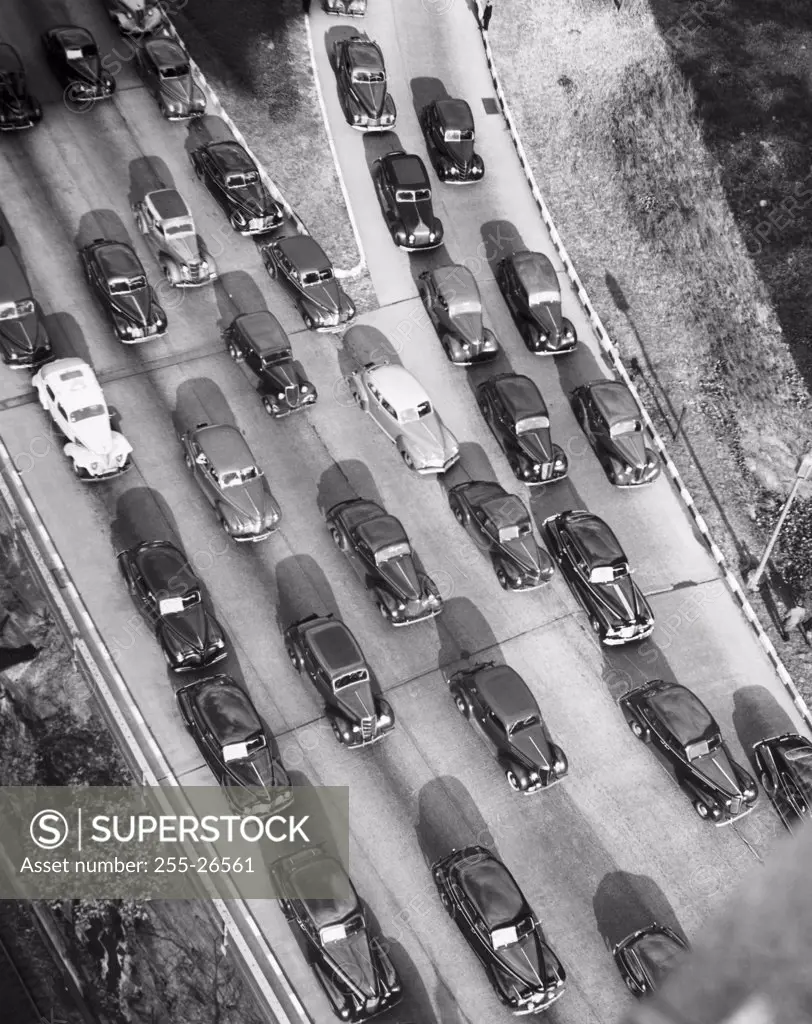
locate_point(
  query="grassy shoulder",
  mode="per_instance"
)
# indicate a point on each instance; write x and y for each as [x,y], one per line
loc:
[617,141]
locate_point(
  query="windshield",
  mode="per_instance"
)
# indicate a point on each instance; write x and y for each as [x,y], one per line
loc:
[87,413]
[525,723]
[455,135]
[337,932]
[531,423]
[608,573]
[241,180]
[411,415]
[625,427]
[123,287]
[314,276]
[407,195]
[80,52]
[178,71]
[12,310]
[175,605]
[392,551]
[350,678]
[702,747]
[238,476]
[368,76]
[513,532]
[510,935]
[240,751]
[186,228]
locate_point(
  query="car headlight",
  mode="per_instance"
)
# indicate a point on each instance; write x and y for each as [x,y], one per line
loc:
[95,466]
[536,467]
[121,458]
[384,719]
[534,776]
[356,728]
[411,239]
[526,471]
[219,643]
[453,169]
[749,793]
[558,465]
[280,396]
[559,767]
[432,236]
[401,606]
[304,389]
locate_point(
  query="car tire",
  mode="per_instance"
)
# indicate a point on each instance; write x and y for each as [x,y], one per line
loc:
[640,731]
[196,168]
[224,527]
[462,705]
[512,781]
[384,611]
[336,730]
[79,472]
[308,321]
[501,575]
[338,538]
[448,906]
[459,514]
[446,346]
[235,353]
[235,224]
[266,402]
[702,810]
[596,627]
[270,266]
[483,408]
[190,462]
[139,223]
[294,657]
[766,783]
[408,461]
[169,276]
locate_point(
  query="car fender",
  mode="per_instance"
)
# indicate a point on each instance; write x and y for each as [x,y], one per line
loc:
[341,1000]
[358,392]
[403,445]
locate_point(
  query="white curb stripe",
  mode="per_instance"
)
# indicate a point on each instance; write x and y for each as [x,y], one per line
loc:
[614,354]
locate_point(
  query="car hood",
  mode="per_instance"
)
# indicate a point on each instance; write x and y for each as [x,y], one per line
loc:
[252,501]
[88,69]
[260,771]
[326,296]
[431,437]
[371,96]
[524,551]
[178,90]
[462,153]
[417,218]
[356,702]
[190,627]
[94,434]
[533,745]
[11,103]
[23,335]
[632,449]
[184,248]
[547,315]
[401,576]
[135,306]
[530,963]
[355,962]
[622,599]
[718,770]
[537,445]
[253,200]
[470,327]
[284,375]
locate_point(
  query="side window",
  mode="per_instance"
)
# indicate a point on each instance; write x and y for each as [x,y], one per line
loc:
[373,391]
[61,411]
[388,409]
[50,393]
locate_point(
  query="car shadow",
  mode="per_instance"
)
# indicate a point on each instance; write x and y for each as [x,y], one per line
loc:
[448,820]
[302,590]
[343,481]
[101,224]
[631,665]
[448,1011]
[415,1004]
[500,238]
[463,631]
[623,903]
[7,235]
[378,144]
[66,337]
[237,292]
[364,344]
[199,400]
[142,514]
[426,90]
[757,715]
[148,174]
[475,464]
[201,131]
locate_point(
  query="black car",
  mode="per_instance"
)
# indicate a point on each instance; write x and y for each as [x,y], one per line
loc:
[404,192]
[380,553]
[351,966]
[517,415]
[448,128]
[685,735]
[326,651]
[24,343]
[490,910]
[74,58]
[529,286]
[235,744]
[167,593]
[18,108]
[361,80]
[647,957]
[499,705]
[166,70]
[784,764]
[234,182]
[611,420]
[596,568]
[258,340]
[501,525]
[119,282]
[454,306]
[302,265]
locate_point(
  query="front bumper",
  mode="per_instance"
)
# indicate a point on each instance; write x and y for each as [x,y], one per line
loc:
[407,618]
[198,661]
[142,334]
[261,226]
[539,1005]
[197,282]
[539,479]
[28,362]
[280,409]
[631,635]
[342,9]
[426,247]
[88,477]
[629,484]
[253,538]
[19,126]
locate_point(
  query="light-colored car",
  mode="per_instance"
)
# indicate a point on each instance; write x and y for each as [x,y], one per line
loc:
[226,472]
[135,17]
[165,220]
[69,391]
[167,73]
[399,405]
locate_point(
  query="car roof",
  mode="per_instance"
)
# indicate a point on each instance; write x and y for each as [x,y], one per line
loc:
[225,447]
[226,710]
[168,203]
[381,532]
[594,537]
[335,647]
[455,282]
[407,170]
[681,710]
[324,874]
[398,386]
[72,35]
[117,259]
[162,564]
[480,491]
[9,58]
[264,331]
[520,395]
[166,53]
[365,54]
[305,252]
[491,888]
[505,510]
[535,271]
[13,283]
[81,387]
[614,401]
[506,693]
[455,114]
[230,156]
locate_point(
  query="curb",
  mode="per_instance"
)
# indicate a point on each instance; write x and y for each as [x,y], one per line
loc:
[106,682]
[611,350]
[213,105]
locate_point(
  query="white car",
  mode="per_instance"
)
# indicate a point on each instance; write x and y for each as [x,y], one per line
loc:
[399,405]
[164,218]
[69,391]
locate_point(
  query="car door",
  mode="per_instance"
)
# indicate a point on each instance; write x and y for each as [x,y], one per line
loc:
[201,468]
[474,926]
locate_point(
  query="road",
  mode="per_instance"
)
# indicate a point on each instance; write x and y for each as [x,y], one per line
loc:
[616,844]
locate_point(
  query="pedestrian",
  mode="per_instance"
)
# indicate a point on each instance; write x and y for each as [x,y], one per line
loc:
[486,15]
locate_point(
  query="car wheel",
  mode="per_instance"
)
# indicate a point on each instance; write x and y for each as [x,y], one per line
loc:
[702,810]
[169,276]
[408,460]
[515,468]
[338,538]
[630,985]
[483,408]
[501,575]
[597,629]
[234,352]
[336,731]
[461,704]
[459,515]
[139,223]
[236,224]
[446,345]
[190,462]
[224,527]
[639,731]
[270,266]
[384,611]
[294,657]
[448,906]
[766,783]
[196,168]
[513,782]
[79,472]
[308,321]
[268,406]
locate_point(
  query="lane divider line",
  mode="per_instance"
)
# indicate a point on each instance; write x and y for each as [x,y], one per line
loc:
[612,351]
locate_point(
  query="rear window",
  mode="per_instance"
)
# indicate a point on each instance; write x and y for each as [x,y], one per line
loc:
[88,413]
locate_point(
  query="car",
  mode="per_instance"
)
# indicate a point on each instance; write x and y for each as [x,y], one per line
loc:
[68,390]
[687,737]
[136,17]
[595,566]
[119,282]
[487,905]
[784,764]
[501,526]
[529,286]
[234,182]
[361,80]
[235,744]
[351,965]
[165,221]
[448,128]
[72,53]
[397,403]
[517,415]
[225,470]
[499,705]
[300,263]
[451,298]
[353,8]
[258,340]
[404,192]
[24,342]
[18,108]
[167,73]
[647,957]
[611,420]
[326,651]
[168,594]
[379,551]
